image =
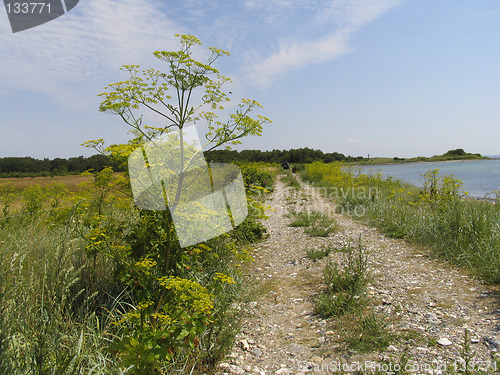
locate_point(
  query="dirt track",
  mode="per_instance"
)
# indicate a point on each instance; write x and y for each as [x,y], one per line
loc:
[427,300]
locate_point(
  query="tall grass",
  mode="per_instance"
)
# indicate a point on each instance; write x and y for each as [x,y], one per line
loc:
[55,310]
[462,230]
[61,300]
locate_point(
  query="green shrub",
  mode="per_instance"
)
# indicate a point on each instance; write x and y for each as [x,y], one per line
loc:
[259,174]
[290,180]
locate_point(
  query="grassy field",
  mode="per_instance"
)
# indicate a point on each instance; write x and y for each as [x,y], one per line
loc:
[83,288]
[71,182]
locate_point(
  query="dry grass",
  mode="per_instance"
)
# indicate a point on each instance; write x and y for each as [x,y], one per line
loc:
[71,181]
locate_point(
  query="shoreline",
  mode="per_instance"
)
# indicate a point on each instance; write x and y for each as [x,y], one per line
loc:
[362,164]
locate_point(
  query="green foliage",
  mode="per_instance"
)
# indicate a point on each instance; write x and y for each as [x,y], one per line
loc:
[257,175]
[367,332]
[48,320]
[296,168]
[33,198]
[82,290]
[190,92]
[345,300]
[155,332]
[305,219]
[317,254]
[116,273]
[7,197]
[294,156]
[321,228]
[250,230]
[29,167]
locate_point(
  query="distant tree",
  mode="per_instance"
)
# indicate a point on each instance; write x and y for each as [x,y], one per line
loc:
[457,152]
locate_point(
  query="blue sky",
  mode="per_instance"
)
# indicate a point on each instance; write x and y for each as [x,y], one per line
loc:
[379,77]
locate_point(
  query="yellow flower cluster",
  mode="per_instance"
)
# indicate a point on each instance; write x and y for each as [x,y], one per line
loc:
[134,316]
[145,265]
[224,278]
[189,294]
[201,248]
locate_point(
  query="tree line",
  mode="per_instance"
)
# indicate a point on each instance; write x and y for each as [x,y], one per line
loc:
[28,166]
[300,155]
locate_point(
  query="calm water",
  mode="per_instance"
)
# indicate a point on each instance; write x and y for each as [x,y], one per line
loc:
[479,177]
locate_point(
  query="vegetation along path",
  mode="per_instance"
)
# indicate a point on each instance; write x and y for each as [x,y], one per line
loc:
[420,315]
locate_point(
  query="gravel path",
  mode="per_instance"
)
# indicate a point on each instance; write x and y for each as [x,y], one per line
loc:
[431,303]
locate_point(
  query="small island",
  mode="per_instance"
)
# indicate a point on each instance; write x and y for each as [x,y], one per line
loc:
[451,155]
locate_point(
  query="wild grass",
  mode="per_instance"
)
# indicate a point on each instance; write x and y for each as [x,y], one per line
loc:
[56,309]
[366,332]
[462,230]
[317,254]
[71,182]
[345,284]
[290,180]
[345,300]
[316,223]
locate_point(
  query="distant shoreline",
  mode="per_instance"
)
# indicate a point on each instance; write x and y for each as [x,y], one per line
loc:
[410,161]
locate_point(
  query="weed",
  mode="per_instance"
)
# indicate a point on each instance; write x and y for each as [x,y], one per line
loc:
[367,332]
[346,286]
[75,283]
[317,254]
[317,223]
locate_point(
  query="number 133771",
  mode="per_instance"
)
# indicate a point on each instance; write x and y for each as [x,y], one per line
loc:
[28,8]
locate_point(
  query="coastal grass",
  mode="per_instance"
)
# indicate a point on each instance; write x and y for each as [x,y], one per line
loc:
[56,307]
[345,283]
[61,301]
[345,301]
[317,254]
[440,216]
[316,223]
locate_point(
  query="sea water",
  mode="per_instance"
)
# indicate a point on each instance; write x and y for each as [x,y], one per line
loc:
[480,177]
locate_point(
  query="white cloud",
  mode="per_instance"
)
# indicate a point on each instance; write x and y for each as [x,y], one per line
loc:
[72,54]
[75,55]
[297,55]
[296,51]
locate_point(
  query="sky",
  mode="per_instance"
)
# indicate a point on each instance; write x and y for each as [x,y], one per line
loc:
[361,77]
